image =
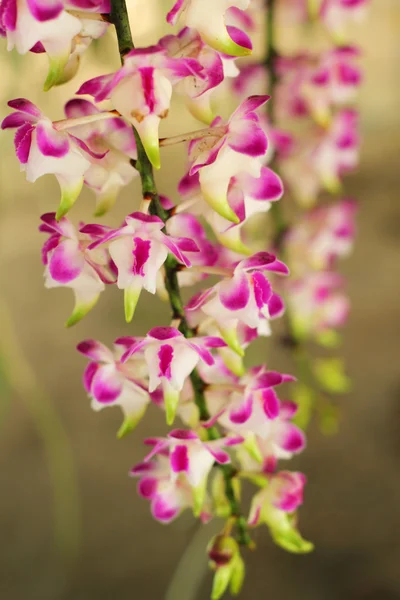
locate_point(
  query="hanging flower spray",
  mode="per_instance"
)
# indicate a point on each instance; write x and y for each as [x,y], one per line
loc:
[228,423]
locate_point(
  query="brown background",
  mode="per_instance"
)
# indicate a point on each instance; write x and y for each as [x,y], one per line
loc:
[351,508]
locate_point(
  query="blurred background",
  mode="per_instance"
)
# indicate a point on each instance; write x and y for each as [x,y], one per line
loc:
[71,524]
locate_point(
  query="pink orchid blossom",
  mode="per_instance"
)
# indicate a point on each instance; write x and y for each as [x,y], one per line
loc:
[321,161]
[322,236]
[207,253]
[274,505]
[70,263]
[247,197]
[55,27]
[251,405]
[192,459]
[42,149]
[139,249]
[231,149]
[168,496]
[317,303]
[112,140]
[197,87]
[208,18]
[281,440]
[337,14]
[110,382]
[244,296]
[315,84]
[170,358]
[141,91]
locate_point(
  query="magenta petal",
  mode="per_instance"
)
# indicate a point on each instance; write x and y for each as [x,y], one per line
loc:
[259,261]
[204,354]
[16,120]
[173,14]
[98,87]
[179,459]
[88,375]
[288,409]
[106,384]
[50,142]
[247,137]
[278,267]
[262,289]
[165,357]
[243,412]
[78,107]
[270,403]
[22,142]
[235,293]
[276,306]
[8,16]
[94,350]
[239,37]
[268,379]
[164,333]
[147,487]
[25,106]
[249,105]
[44,10]
[162,511]
[267,187]
[66,262]
[219,455]
[183,434]
[293,440]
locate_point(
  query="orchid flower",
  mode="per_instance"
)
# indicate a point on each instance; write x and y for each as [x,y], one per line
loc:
[113,142]
[41,149]
[318,303]
[247,196]
[260,454]
[192,459]
[139,249]
[56,28]
[208,18]
[245,296]
[141,91]
[110,382]
[273,505]
[317,83]
[231,149]
[70,263]
[323,159]
[320,237]
[171,358]
[168,497]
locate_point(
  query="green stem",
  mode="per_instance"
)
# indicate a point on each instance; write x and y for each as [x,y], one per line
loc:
[119,17]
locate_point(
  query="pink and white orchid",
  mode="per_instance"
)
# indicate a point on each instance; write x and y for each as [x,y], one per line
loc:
[171,358]
[192,459]
[139,249]
[208,18]
[316,84]
[110,382]
[247,196]
[42,149]
[231,149]
[141,91]
[244,296]
[274,504]
[70,263]
[60,28]
[113,145]
[322,236]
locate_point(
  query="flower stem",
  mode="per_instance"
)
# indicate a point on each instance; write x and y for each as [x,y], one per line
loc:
[119,16]
[193,135]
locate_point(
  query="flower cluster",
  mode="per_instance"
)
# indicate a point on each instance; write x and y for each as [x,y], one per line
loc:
[234,427]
